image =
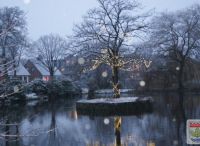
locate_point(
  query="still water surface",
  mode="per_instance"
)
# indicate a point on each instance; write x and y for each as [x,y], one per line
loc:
[58,124]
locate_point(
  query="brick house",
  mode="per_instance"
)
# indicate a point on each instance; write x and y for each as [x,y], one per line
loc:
[38,71]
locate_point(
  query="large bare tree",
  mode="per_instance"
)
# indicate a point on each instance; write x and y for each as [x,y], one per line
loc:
[177,35]
[12,36]
[49,49]
[106,33]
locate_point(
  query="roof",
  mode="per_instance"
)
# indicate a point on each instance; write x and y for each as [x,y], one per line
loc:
[20,71]
[43,70]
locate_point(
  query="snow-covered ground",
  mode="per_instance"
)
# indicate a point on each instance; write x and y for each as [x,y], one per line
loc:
[31,96]
[115,100]
[84,90]
[110,91]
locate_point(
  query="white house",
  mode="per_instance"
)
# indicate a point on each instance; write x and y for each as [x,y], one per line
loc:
[21,73]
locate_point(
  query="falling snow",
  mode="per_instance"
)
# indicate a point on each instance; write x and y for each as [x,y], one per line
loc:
[142,83]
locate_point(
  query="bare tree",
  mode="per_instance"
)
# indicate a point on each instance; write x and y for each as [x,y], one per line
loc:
[49,49]
[12,36]
[177,35]
[106,32]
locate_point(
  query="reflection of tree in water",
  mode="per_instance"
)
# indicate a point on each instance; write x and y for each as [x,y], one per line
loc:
[180,120]
[165,126]
[55,135]
[100,132]
[52,141]
[10,119]
[55,138]
[13,118]
[117,125]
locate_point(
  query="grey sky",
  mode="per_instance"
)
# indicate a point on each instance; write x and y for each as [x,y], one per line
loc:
[58,16]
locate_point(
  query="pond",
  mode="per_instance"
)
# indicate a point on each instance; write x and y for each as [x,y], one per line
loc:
[58,124]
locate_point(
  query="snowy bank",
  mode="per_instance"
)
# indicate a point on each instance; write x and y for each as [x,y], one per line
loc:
[117,106]
[31,96]
[110,91]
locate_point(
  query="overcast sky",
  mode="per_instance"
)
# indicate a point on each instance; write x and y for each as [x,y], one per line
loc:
[58,16]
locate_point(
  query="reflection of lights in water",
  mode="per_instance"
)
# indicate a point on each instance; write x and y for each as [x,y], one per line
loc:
[81,61]
[104,74]
[106,121]
[177,68]
[134,140]
[151,143]
[130,138]
[175,142]
[87,127]
[142,83]
[117,125]
[74,115]
[174,119]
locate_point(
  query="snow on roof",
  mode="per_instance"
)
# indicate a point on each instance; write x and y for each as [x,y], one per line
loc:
[43,70]
[58,73]
[20,71]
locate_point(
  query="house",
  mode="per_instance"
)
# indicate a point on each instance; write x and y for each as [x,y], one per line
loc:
[21,73]
[39,71]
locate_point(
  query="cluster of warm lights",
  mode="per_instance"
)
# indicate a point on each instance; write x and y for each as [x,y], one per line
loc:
[116,61]
[116,90]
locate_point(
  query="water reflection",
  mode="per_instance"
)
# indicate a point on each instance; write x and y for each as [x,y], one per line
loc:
[57,124]
[117,125]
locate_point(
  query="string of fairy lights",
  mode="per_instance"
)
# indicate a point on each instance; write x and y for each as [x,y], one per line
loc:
[115,61]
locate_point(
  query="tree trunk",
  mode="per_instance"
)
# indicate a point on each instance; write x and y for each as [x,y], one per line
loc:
[51,75]
[180,77]
[115,81]
[15,71]
[5,70]
[7,131]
